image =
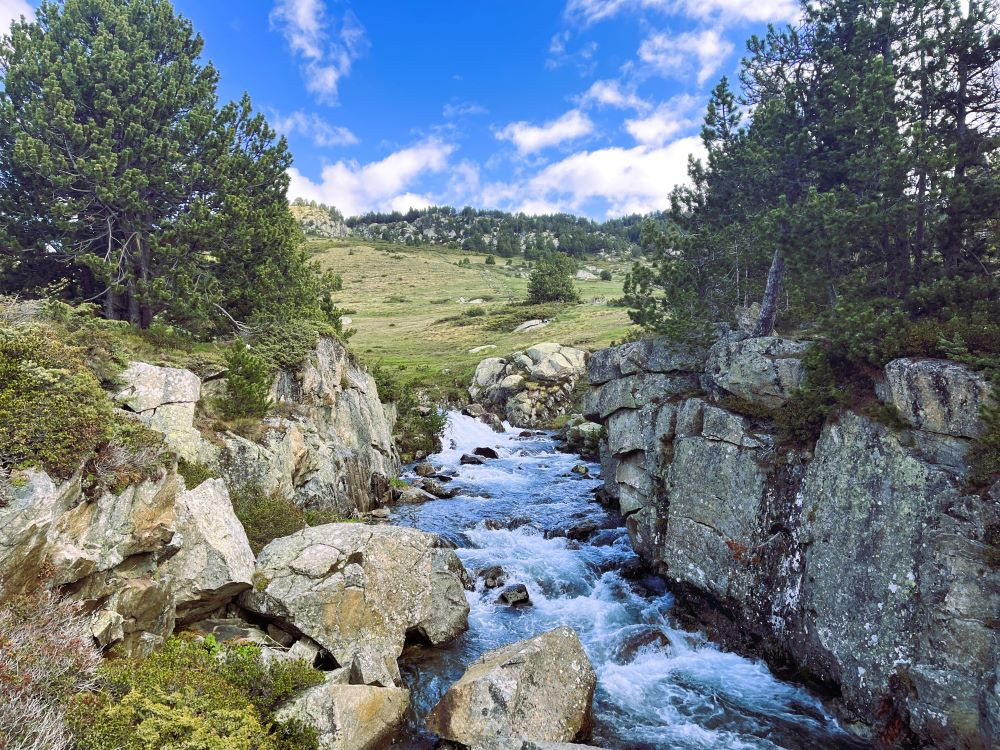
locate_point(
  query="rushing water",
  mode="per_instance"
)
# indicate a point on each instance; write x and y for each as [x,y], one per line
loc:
[687,695]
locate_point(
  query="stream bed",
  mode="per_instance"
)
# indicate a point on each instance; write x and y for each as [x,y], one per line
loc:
[688,694]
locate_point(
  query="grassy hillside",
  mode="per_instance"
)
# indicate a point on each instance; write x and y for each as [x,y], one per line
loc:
[404,303]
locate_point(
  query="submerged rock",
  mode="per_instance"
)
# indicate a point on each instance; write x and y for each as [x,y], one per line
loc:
[469,460]
[539,690]
[358,591]
[486,453]
[515,594]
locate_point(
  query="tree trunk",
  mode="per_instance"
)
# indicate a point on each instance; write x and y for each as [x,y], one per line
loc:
[769,305]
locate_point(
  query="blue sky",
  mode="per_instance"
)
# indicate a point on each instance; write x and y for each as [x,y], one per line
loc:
[586,106]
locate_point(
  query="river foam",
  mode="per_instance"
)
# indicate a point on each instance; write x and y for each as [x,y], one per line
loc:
[688,694]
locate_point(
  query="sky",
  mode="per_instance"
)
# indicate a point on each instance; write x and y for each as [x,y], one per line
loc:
[586,106]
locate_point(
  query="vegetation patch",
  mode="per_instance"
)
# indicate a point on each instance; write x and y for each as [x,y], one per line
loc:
[266,517]
[195,695]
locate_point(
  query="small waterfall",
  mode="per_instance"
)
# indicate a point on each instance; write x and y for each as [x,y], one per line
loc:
[658,686]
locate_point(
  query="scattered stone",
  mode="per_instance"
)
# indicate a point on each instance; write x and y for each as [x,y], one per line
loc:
[525,434]
[580,469]
[515,594]
[538,690]
[480,349]
[486,453]
[474,410]
[410,494]
[379,513]
[531,325]
[467,460]
[437,489]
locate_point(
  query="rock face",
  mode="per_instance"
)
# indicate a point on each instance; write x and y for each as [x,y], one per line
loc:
[861,562]
[349,717]
[165,398]
[539,690]
[139,559]
[359,590]
[529,388]
[332,447]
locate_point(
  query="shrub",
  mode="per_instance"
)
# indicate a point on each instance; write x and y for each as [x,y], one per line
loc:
[490,260]
[194,473]
[53,411]
[415,431]
[194,696]
[984,453]
[265,517]
[248,384]
[606,275]
[552,280]
[47,655]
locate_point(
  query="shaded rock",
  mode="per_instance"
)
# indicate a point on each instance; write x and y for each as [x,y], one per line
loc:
[467,460]
[515,594]
[474,410]
[424,470]
[349,717]
[410,494]
[937,395]
[486,453]
[580,469]
[764,370]
[538,689]
[493,577]
[358,590]
[437,489]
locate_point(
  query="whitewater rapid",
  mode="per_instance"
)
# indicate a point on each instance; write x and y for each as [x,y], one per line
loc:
[689,695]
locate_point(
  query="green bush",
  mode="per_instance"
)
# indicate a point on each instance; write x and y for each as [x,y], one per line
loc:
[265,517]
[194,473]
[415,432]
[606,275]
[248,383]
[53,411]
[509,317]
[552,280]
[193,696]
[490,260]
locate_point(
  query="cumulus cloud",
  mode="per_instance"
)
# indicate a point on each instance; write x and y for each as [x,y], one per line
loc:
[312,126]
[327,50]
[382,185]
[12,10]
[672,55]
[528,138]
[592,11]
[621,180]
[678,114]
[613,94]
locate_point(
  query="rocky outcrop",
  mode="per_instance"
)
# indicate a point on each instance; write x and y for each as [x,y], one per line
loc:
[349,717]
[164,399]
[862,562]
[538,689]
[138,559]
[332,446]
[359,591]
[529,388]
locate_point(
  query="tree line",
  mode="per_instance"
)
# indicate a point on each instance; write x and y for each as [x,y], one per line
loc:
[125,182]
[856,174]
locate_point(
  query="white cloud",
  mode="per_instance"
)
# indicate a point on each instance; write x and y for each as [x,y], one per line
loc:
[528,138]
[623,180]
[377,186]
[670,118]
[12,10]
[463,109]
[613,94]
[671,55]
[327,52]
[312,126]
[591,11]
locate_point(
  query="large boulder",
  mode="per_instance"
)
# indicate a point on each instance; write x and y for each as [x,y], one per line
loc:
[359,590]
[764,370]
[529,388]
[937,395]
[164,399]
[539,689]
[135,557]
[214,562]
[349,717]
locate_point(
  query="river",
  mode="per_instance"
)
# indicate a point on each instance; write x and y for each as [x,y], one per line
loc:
[688,694]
